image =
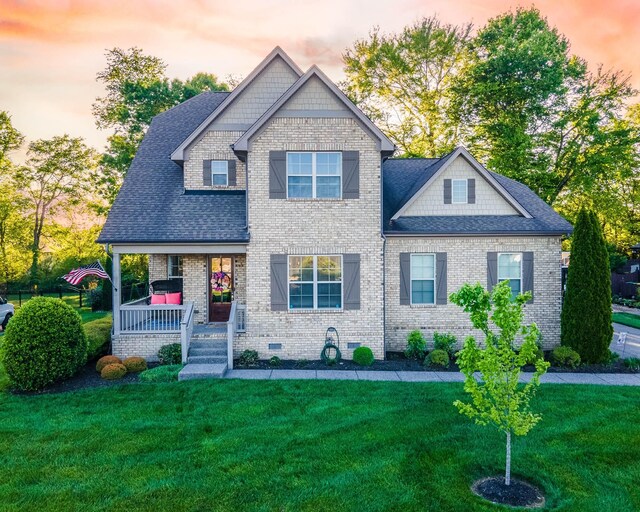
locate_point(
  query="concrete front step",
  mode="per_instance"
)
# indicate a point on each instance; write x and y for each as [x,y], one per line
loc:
[202,371]
[210,336]
[206,359]
[212,344]
[208,351]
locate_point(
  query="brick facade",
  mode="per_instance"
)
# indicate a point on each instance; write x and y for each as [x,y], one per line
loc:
[142,345]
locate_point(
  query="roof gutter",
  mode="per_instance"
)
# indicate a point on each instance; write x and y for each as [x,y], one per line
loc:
[483,234]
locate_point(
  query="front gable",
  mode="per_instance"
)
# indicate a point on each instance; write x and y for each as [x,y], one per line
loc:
[460,187]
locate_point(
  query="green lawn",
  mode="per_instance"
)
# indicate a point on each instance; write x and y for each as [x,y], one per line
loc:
[307,446]
[627,319]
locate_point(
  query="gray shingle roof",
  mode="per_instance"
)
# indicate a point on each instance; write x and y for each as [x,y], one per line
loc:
[402,178]
[152,205]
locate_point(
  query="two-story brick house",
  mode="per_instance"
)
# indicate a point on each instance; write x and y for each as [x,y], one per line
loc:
[277,212]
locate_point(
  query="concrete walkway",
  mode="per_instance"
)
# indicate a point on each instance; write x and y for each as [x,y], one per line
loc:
[607,379]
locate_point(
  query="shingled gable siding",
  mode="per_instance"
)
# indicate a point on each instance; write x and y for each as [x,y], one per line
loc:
[347,227]
[213,146]
[486,200]
[467,262]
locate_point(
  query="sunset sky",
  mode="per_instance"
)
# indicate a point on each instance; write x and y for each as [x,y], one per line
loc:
[50,51]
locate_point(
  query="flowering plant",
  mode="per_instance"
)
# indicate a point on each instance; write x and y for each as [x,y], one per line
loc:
[220,281]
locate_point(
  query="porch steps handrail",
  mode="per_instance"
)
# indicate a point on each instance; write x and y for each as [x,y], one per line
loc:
[186,331]
[231,333]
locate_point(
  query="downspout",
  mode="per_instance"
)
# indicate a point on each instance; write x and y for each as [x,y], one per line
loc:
[384,258]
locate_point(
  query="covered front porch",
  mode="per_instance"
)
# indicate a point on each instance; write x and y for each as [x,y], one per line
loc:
[199,287]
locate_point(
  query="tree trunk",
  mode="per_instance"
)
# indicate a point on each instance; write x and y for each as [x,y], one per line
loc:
[507,472]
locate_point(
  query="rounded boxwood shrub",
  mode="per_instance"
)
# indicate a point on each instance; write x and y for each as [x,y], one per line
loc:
[44,343]
[170,354]
[565,356]
[166,373]
[135,364]
[249,358]
[363,356]
[98,337]
[275,362]
[113,371]
[105,360]
[437,357]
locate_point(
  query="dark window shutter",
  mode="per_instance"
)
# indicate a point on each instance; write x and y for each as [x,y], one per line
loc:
[492,270]
[231,173]
[447,191]
[277,174]
[471,190]
[527,273]
[441,278]
[405,278]
[351,279]
[279,284]
[350,174]
[206,173]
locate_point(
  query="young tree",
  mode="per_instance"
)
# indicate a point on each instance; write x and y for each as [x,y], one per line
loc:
[402,81]
[499,399]
[55,177]
[586,313]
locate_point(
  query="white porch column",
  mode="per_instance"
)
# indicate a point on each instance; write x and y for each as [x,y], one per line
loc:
[117,290]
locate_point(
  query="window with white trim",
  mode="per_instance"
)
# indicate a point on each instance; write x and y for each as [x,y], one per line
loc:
[220,173]
[510,269]
[459,191]
[314,175]
[423,278]
[315,282]
[174,266]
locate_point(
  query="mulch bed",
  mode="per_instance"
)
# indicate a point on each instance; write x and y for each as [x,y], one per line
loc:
[86,377]
[518,494]
[397,362]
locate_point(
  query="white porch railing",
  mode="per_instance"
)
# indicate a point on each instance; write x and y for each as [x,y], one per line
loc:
[231,333]
[186,331]
[241,318]
[138,317]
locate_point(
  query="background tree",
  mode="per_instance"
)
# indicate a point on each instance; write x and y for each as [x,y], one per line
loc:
[499,399]
[10,140]
[402,81]
[586,313]
[54,177]
[137,90]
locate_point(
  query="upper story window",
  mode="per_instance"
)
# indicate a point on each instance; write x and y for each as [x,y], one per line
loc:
[220,173]
[314,175]
[174,264]
[315,282]
[459,189]
[510,269]
[423,278]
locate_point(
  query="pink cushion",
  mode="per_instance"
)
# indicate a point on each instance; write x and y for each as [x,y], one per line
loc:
[158,298]
[174,298]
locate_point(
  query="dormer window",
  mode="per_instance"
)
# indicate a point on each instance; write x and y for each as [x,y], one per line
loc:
[219,173]
[459,189]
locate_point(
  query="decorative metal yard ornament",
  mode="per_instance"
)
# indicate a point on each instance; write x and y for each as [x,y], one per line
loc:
[331,354]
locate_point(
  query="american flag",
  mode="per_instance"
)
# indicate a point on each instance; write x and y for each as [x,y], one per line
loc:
[95,269]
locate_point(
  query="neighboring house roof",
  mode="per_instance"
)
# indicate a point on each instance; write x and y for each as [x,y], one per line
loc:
[386,146]
[277,52]
[403,179]
[152,205]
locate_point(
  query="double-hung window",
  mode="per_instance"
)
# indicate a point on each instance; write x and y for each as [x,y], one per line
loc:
[220,173]
[314,175]
[459,192]
[510,269]
[423,278]
[174,264]
[315,282]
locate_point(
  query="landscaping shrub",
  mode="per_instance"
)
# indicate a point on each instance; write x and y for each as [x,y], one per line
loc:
[105,360]
[437,357]
[275,362]
[565,356]
[166,373]
[301,363]
[113,371]
[446,342]
[249,358]
[98,337]
[416,346]
[170,354]
[363,356]
[633,363]
[44,343]
[612,357]
[586,312]
[135,364]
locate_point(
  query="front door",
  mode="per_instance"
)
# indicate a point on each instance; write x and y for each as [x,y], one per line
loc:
[220,288]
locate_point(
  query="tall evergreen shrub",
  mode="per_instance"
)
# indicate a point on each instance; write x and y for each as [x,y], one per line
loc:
[586,313]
